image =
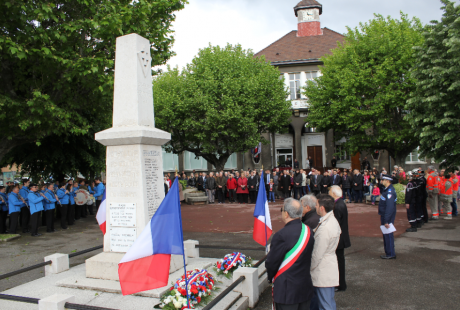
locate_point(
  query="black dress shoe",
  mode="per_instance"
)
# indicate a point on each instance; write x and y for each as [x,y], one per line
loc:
[387,257]
[339,290]
[412,229]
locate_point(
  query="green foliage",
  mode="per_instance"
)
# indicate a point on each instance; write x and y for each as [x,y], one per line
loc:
[400,192]
[220,103]
[57,65]
[364,87]
[183,183]
[434,103]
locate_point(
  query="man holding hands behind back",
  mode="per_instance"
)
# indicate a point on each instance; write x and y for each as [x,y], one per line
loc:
[289,259]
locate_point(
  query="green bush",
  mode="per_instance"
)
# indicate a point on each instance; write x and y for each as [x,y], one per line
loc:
[183,183]
[400,193]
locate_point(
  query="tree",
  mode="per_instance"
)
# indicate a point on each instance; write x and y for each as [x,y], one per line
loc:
[364,87]
[220,104]
[434,104]
[57,62]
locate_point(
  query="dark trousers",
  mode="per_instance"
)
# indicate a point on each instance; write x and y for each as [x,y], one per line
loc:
[242,198]
[71,214]
[64,208]
[90,209]
[220,195]
[341,261]
[454,207]
[49,214]
[358,195]
[297,192]
[3,215]
[84,210]
[347,191]
[253,196]
[302,306]
[316,192]
[388,241]
[34,220]
[98,203]
[424,210]
[25,215]
[14,219]
[231,195]
[58,211]
[411,215]
[77,211]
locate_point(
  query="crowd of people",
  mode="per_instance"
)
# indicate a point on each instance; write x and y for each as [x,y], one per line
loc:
[28,205]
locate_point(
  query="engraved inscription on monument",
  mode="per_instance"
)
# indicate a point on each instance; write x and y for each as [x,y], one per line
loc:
[152,176]
[121,239]
[123,214]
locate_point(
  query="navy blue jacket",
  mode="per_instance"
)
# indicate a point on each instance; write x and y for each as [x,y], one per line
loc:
[387,205]
[4,205]
[293,286]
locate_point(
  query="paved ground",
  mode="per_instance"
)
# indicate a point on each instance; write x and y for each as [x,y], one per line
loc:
[424,275]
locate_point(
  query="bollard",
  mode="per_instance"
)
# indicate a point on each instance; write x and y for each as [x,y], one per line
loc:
[190,250]
[55,302]
[250,286]
[59,263]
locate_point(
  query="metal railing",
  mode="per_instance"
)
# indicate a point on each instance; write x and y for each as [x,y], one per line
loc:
[19,271]
[224,293]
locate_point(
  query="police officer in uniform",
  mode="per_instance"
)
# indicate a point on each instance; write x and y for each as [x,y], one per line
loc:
[413,213]
[387,212]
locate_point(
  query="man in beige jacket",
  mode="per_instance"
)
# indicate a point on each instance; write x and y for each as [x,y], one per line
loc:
[324,267]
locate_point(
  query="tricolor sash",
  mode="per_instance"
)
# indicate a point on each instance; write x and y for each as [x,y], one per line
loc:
[293,255]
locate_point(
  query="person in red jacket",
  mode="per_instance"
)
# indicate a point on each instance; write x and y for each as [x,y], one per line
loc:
[242,192]
[231,187]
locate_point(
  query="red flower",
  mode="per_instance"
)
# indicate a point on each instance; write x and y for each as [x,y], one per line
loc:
[172,287]
[198,299]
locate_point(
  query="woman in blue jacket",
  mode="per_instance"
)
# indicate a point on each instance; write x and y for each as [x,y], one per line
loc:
[14,208]
[71,211]
[50,205]
[64,198]
[3,209]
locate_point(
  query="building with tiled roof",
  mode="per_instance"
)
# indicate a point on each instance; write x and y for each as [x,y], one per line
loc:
[298,57]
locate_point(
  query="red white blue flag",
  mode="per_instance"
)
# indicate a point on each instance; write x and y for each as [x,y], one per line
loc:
[262,222]
[146,265]
[101,215]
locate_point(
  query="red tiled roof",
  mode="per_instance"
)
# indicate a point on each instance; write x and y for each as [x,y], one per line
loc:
[306,4]
[292,48]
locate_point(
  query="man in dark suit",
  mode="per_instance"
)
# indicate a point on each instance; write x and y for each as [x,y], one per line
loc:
[285,185]
[290,290]
[357,186]
[252,186]
[336,179]
[315,183]
[341,214]
[310,217]
[325,183]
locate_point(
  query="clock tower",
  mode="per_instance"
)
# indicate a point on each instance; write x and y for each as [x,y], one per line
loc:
[308,12]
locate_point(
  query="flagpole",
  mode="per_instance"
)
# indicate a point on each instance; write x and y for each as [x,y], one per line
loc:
[265,218]
[182,239]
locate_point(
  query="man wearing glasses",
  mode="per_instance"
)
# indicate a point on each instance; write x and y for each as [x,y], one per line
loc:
[290,256]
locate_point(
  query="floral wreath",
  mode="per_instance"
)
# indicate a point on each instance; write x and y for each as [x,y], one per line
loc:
[200,287]
[231,262]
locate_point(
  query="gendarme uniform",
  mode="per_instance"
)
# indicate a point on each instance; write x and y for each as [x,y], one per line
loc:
[421,199]
[414,214]
[387,212]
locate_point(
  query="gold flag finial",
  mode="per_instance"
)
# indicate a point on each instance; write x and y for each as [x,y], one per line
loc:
[177,172]
[262,167]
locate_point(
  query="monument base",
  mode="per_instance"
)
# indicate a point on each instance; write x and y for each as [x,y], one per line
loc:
[105,265]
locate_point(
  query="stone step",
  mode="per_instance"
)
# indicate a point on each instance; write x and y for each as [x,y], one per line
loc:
[198,194]
[197,200]
[241,304]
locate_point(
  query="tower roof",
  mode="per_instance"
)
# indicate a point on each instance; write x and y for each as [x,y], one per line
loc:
[308,4]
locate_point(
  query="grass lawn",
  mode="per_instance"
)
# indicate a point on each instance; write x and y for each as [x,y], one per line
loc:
[3,237]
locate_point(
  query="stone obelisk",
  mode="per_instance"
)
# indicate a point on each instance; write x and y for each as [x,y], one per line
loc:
[135,186]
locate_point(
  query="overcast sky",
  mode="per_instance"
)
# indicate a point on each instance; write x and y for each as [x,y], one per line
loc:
[256,24]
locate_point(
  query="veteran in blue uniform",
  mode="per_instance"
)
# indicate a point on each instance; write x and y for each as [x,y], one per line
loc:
[387,212]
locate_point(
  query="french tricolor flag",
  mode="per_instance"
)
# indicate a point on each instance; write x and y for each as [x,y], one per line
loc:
[100,215]
[146,264]
[262,222]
